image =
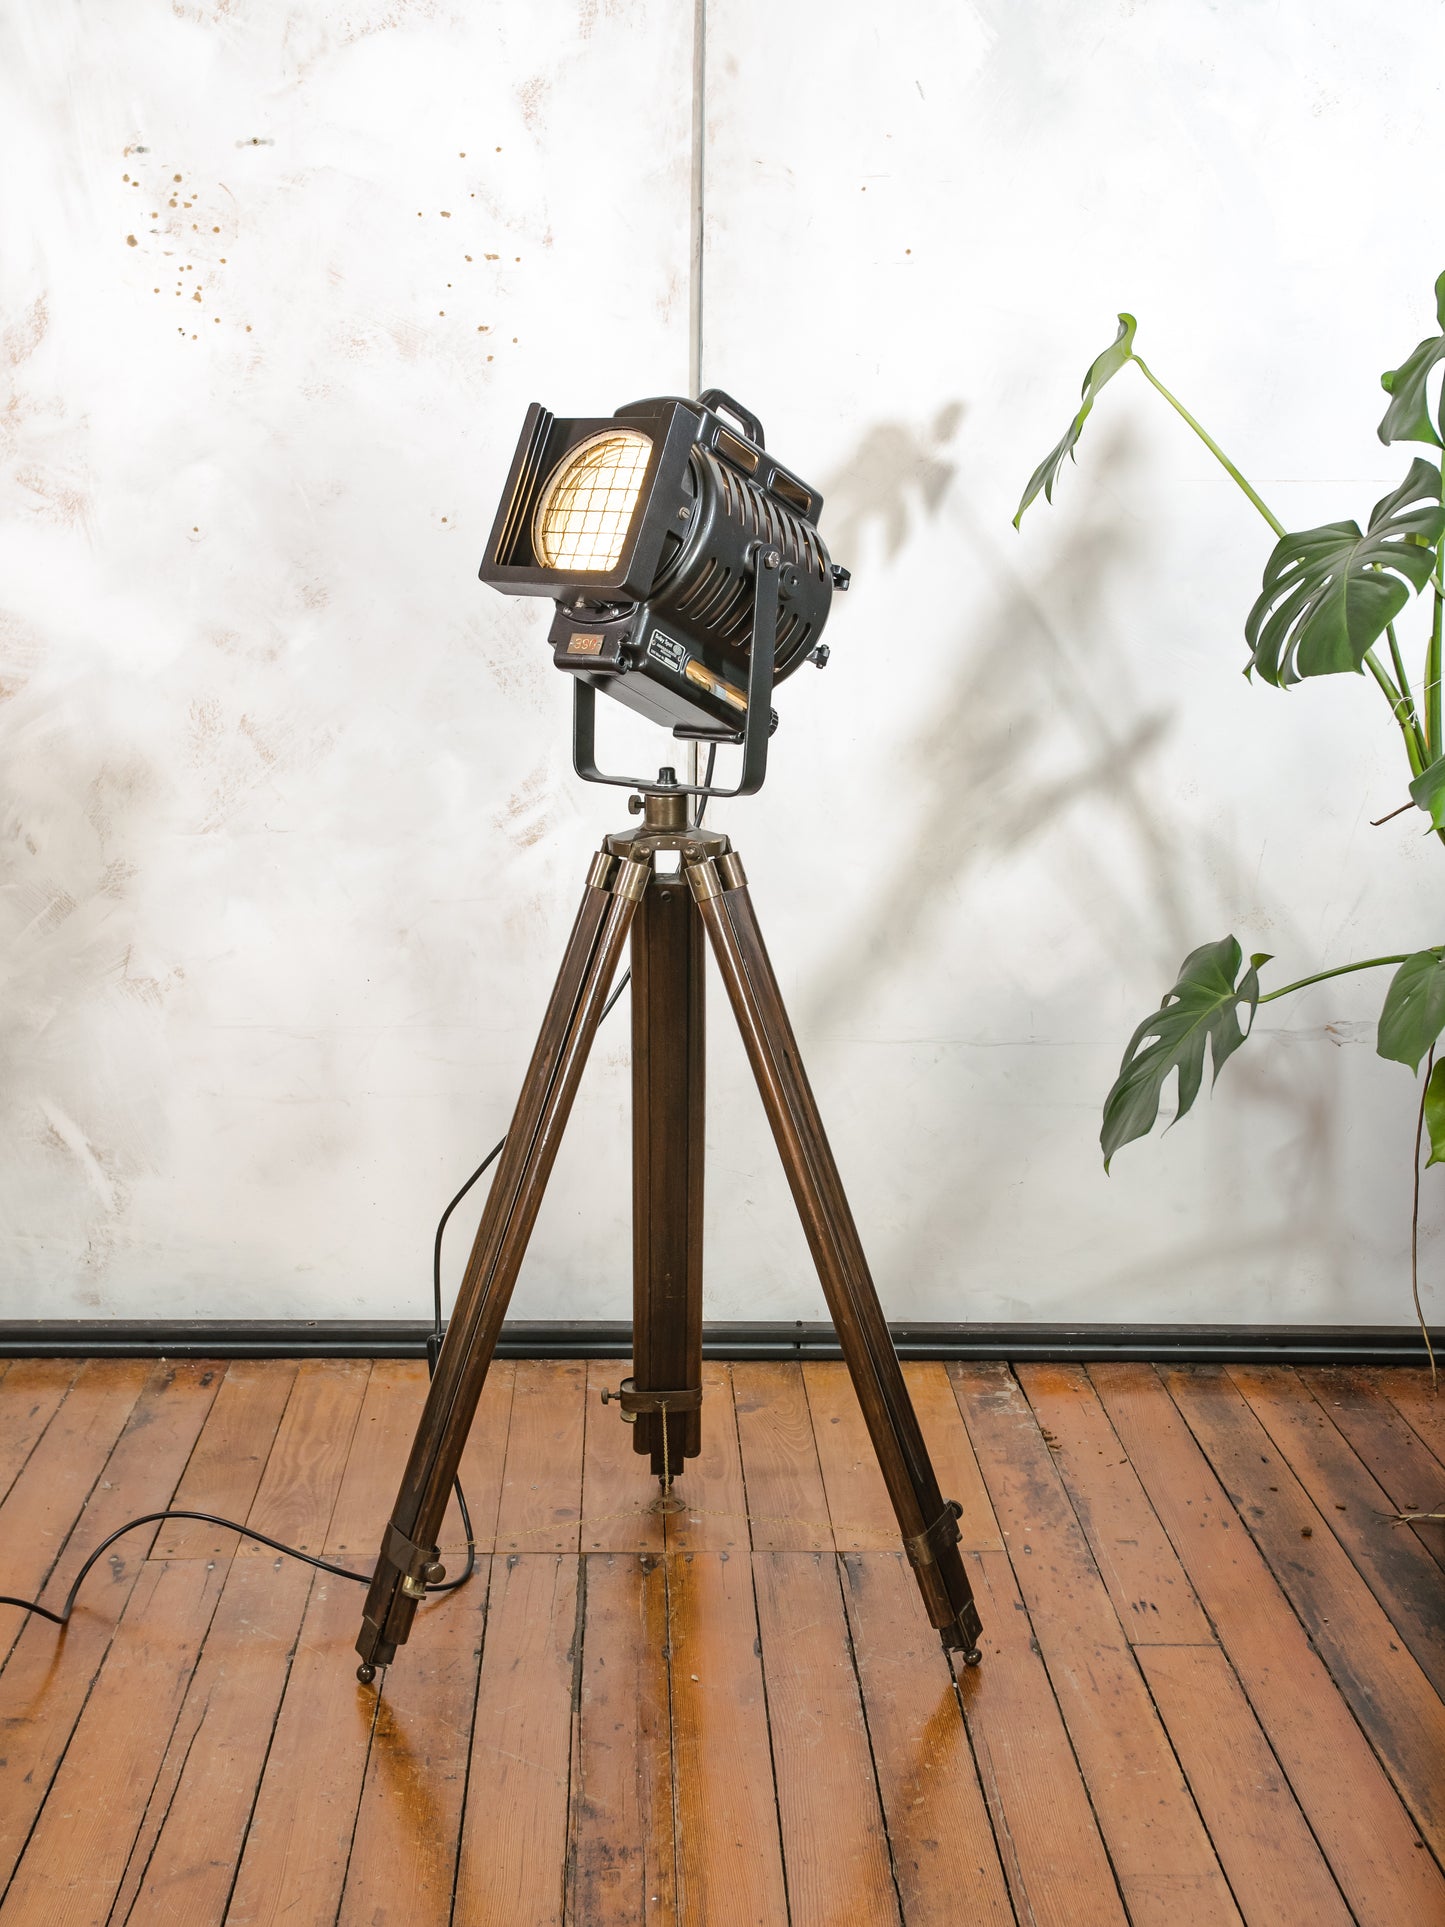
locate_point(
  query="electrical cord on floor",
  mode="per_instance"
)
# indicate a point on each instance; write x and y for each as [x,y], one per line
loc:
[154,1518]
[434,1343]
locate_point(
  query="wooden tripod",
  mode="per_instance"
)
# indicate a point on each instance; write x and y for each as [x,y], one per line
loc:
[666,916]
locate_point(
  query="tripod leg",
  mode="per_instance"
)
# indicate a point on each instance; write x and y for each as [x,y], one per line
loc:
[408,1551]
[667,1168]
[928,1525]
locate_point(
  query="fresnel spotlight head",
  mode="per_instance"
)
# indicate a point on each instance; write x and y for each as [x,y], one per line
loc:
[685,563]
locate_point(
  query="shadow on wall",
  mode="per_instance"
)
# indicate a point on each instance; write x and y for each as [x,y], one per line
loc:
[1029,722]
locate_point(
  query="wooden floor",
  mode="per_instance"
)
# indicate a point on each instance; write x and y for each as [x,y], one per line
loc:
[1211,1684]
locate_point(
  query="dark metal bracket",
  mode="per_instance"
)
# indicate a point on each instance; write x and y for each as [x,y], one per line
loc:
[757,727]
[419,1567]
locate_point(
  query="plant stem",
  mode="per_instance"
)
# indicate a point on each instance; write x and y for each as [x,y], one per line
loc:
[1401,708]
[1399,703]
[1415,1222]
[1340,970]
[1403,679]
[1209,442]
[1430,693]
[1399,700]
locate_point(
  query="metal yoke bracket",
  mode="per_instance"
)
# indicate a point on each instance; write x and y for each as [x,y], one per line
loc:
[757,724]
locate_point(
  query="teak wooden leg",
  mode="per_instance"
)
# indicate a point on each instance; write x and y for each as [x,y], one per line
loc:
[408,1557]
[928,1525]
[668,959]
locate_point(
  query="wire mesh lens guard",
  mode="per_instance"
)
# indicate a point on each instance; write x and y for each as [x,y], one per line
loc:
[585,508]
[685,563]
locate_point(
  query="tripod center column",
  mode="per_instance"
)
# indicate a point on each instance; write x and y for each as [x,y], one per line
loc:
[668,1052]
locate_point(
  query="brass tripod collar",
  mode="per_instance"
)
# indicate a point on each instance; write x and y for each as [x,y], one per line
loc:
[641,844]
[710,877]
[619,873]
[685,1399]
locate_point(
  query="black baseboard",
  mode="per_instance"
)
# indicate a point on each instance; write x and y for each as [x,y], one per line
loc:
[406,1338]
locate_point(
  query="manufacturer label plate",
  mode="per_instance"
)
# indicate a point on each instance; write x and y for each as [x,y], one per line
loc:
[663,649]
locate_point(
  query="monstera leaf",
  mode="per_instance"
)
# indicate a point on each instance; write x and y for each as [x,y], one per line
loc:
[1103,369]
[1329,592]
[1413,1015]
[1203,1007]
[1435,1114]
[1427,792]
[1407,419]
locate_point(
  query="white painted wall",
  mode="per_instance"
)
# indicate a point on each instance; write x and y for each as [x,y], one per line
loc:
[291,838]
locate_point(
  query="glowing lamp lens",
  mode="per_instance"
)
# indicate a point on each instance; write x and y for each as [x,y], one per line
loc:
[585,509]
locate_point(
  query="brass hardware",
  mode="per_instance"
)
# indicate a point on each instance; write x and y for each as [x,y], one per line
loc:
[419,1568]
[730,869]
[599,875]
[699,673]
[703,880]
[923,1548]
[632,1401]
[661,811]
[632,879]
[693,843]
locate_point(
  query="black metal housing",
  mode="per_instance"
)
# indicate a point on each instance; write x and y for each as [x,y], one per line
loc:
[669,630]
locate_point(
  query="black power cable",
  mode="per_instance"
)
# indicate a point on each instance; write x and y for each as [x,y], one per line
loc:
[434,1342]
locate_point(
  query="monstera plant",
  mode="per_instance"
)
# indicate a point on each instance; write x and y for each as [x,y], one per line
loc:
[1328,605]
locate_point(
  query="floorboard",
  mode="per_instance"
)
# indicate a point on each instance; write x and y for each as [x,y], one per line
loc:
[1384,1687]
[835,1848]
[1398,1458]
[521,1744]
[1396,1567]
[1210,1689]
[1160,1849]
[1274,1867]
[730,1865]
[623,1869]
[1381,1863]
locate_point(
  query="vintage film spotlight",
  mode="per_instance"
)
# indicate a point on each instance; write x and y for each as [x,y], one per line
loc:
[647,528]
[689,577]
